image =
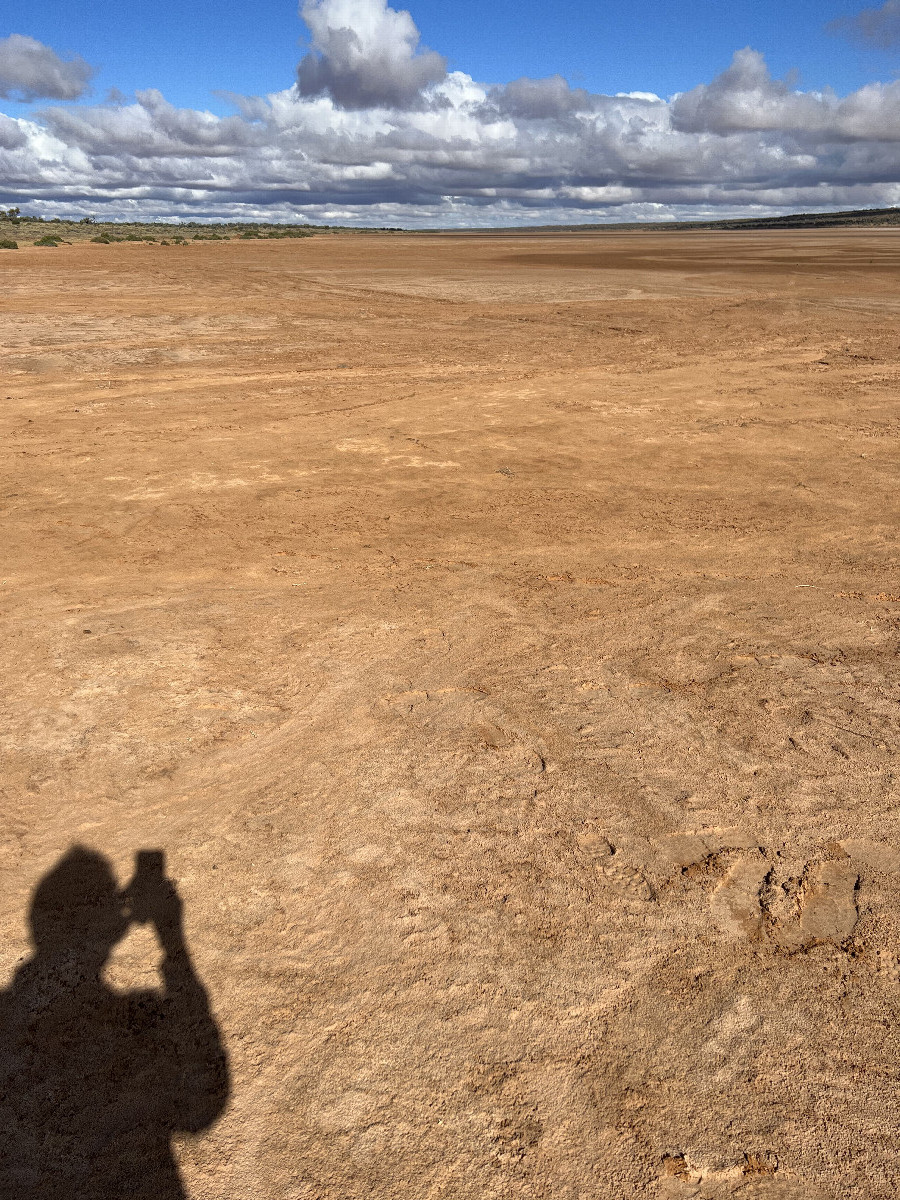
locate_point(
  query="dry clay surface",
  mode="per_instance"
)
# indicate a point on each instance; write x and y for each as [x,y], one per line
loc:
[499,636]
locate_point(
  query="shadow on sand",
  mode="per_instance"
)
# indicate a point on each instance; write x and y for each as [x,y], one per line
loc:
[94,1082]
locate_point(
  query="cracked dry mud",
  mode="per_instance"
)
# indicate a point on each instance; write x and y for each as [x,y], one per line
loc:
[499,635]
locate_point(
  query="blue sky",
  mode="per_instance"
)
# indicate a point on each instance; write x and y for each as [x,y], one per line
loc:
[193,49]
[347,142]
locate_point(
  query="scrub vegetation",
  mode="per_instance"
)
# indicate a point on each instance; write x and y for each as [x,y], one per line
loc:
[26,229]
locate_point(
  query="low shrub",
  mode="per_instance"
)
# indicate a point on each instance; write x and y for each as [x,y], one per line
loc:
[48,239]
[8,244]
[289,233]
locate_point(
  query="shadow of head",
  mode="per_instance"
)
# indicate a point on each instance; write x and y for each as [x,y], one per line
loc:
[78,908]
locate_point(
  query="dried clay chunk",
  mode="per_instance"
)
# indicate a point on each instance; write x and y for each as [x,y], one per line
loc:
[735,902]
[773,1188]
[707,1185]
[877,855]
[828,912]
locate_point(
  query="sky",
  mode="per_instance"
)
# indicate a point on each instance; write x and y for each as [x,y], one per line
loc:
[463,114]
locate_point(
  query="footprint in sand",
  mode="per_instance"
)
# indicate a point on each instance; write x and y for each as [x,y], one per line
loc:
[627,880]
[610,867]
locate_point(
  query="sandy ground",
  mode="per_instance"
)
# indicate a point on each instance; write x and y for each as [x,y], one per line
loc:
[499,636]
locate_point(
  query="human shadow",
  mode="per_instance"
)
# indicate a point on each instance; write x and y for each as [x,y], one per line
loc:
[94,1082]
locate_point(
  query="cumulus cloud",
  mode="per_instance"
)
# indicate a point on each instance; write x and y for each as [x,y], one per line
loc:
[29,70]
[365,54]
[377,131]
[746,98]
[743,97]
[875,26]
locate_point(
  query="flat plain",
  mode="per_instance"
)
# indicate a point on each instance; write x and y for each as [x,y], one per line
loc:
[499,635]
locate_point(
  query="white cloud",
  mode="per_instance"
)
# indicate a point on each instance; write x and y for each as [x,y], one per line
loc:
[365,54]
[29,70]
[383,134]
[747,98]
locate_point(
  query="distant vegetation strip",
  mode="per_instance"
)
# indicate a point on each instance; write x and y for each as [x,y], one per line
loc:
[832,220]
[18,228]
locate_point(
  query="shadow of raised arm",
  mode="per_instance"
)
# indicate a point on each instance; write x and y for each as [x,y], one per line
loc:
[194,1046]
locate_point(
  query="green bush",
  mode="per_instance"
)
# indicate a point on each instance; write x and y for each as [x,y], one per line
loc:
[289,233]
[48,239]
[8,244]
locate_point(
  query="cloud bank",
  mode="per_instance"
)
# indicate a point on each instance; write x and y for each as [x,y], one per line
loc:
[29,70]
[376,131]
